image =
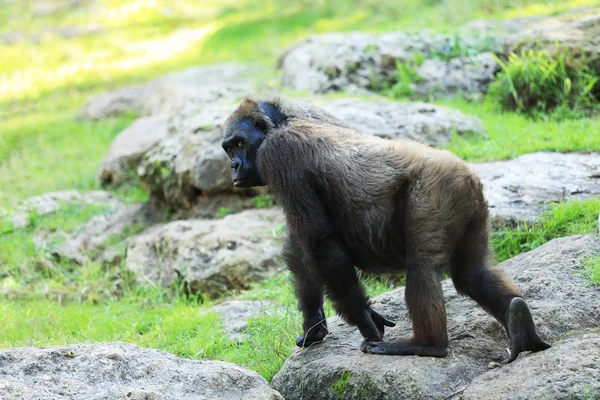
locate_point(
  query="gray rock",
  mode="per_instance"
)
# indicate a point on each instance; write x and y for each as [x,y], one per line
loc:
[211,256]
[468,75]
[126,151]
[236,313]
[193,88]
[549,277]
[521,188]
[122,371]
[337,61]
[426,123]
[190,167]
[51,202]
[569,370]
[183,168]
[579,35]
[92,241]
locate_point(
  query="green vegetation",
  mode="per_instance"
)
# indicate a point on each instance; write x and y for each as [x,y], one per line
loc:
[562,220]
[536,83]
[262,201]
[46,75]
[341,386]
[223,212]
[591,268]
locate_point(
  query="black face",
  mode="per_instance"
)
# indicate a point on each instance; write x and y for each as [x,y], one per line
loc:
[241,143]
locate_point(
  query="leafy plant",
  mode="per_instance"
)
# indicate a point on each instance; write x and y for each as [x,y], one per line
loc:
[224,211]
[262,201]
[406,76]
[536,83]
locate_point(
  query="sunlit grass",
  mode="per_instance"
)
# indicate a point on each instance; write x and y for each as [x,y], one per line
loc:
[508,135]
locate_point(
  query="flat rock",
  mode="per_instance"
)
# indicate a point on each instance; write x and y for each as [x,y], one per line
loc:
[125,152]
[189,166]
[423,122]
[561,300]
[568,370]
[122,371]
[235,314]
[211,256]
[93,240]
[51,202]
[521,188]
[579,35]
[191,87]
[342,61]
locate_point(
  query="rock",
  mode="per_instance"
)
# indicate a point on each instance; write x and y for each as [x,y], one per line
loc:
[92,241]
[236,313]
[122,371]
[190,167]
[519,189]
[193,87]
[561,300]
[211,256]
[337,61]
[126,151]
[426,123]
[184,168]
[579,35]
[48,203]
[570,369]
[468,75]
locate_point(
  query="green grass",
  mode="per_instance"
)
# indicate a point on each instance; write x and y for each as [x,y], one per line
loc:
[591,268]
[508,135]
[562,220]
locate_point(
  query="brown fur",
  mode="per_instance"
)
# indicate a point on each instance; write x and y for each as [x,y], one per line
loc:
[351,199]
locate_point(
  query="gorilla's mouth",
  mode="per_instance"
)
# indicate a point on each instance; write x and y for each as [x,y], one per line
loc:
[238,182]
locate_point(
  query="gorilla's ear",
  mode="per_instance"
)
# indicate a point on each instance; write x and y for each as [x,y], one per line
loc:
[273,114]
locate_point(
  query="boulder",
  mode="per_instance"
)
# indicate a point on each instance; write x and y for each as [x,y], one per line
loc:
[103,237]
[569,370]
[579,35]
[126,151]
[190,167]
[122,371]
[191,87]
[183,168]
[561,301]
[342,61]
[235,315]
[423,122]
[210,256]
[51,202]
[521,188]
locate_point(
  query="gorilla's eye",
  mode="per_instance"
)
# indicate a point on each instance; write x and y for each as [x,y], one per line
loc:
[239,144]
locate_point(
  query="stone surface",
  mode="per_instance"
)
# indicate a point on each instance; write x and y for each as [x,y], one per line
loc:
[580,35]
[103,237]
[211,256]
[561,301]
[569,370]
[122,371]
[183,168]
[336,61]
[426,123]
[190,166]
[125,152]
[48,203]
[521,188]
[236,313]
[190,88]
